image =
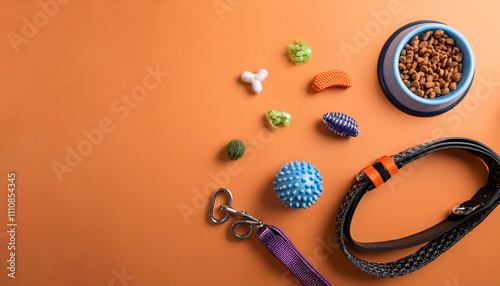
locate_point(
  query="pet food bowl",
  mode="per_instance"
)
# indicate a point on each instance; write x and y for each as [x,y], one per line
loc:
[392,84]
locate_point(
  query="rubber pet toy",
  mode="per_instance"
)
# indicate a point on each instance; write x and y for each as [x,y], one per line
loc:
[235,149]
[333,78]
[299,53]
[298,185]
[255,79]
[341,124]
[277,117]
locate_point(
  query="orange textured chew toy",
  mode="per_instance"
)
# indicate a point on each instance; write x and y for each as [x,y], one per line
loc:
[333,78]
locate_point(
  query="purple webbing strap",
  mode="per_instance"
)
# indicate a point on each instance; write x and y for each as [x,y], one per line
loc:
[282,247]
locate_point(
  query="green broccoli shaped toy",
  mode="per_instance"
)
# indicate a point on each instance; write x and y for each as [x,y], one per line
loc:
[277,117]
[299,53]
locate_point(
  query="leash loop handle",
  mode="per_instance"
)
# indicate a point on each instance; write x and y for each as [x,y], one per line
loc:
[275,240]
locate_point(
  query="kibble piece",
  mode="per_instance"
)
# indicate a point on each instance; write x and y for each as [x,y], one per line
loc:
[437,90]
[419,92]
[429,84]
[423,69]
[432,94]
[430,78]
[427,35]
[445,90]
[456,77]
[401,66]
[415,84]
[450,41]
[402,60]
[412,89]
[435,60]
[453,86]
[447,77]
[448,64]
[415,76]
[460,57]
[407,83]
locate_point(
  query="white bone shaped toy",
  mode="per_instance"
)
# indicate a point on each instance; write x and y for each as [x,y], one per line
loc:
[255,79]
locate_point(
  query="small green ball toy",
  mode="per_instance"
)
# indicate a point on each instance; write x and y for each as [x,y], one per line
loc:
[235,149]
[299,53]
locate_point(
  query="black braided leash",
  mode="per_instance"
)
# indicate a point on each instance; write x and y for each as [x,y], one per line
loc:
[441,236]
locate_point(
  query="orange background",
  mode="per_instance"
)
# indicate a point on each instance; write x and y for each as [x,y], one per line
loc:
[136,204]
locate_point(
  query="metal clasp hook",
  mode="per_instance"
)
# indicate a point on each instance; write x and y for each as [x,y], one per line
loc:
[247,219]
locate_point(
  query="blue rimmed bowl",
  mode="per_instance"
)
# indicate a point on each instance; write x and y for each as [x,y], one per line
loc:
[392,84]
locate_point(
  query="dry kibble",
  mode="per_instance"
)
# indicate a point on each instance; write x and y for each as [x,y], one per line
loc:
[450,60]
[427,35]
[430,64]
[419,92]
[437,90]
[453,86]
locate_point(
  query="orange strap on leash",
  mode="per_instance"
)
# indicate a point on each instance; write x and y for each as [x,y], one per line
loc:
[381,171]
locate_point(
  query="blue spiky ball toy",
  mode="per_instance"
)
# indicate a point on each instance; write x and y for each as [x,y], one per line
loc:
[298,185]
